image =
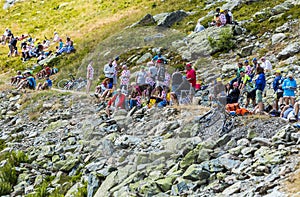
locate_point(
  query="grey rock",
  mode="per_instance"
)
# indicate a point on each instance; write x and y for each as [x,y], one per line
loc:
[289,51]
[145,21]
[108,183]
[196,172]
[281,8]
[168,19]
[284,28]
[246,51]
[277,38]
[232,189]
[145,57]
[93,184]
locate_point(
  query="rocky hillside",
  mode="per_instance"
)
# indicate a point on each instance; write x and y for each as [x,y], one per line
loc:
[61,144]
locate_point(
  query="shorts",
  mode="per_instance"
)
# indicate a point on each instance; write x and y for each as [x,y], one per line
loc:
[259,96]
[192,91]
[279,95]
[251,94]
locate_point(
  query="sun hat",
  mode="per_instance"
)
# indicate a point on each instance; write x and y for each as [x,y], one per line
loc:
[254,59]
[188,65]
[246,61]
[219,79]
[277,71]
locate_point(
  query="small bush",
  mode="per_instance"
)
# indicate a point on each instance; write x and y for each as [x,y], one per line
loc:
[224,43]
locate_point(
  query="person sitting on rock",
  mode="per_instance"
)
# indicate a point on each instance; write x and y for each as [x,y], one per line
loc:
[103,90]
[28,82]
[56,37]
[199,27]
[115,103]
[222,19]
[46,85]
[290,113]
[159,56]
[16,79]
[68,48]
[134,98]
[229,16]
[233,96]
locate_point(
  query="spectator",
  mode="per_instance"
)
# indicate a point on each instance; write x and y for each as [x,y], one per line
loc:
[60,44]
[190,75]
[260,84]
[125,78]
[266,64]
[68,48]
[248,67]
[103,89]
[109,71]
[115,103]
[229,17]
[47,84]
[237,78]
[245,82]
[233,96]
[133,98]
[222,18]
[141,76]
[29,81]
[199,27]
[115,78]
[289,87]
[56,37]
[152,69]
[16,79]
[159,56]
[89,76]
[13,49]
[277,87]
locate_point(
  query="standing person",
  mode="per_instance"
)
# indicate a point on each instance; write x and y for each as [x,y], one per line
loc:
[238,75]
[125,78]
[161,70]
[277,86]
[260,84]
[141,76]
[13,49]
[248,67]
[289,87]
[191,77]
[109,71]
[89,76]
[152,69]
[266,64]
[115,78]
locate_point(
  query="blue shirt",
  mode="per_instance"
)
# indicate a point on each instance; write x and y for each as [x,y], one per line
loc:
[277,82]
[49,82]
[289,86]
[260,82]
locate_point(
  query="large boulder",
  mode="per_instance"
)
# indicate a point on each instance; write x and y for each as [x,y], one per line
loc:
[281,8]
[196,45]
[289,51]
[168,19]
[277,38]
[145,21]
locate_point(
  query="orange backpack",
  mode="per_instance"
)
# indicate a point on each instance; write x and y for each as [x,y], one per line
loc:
[232,107]
[242,111]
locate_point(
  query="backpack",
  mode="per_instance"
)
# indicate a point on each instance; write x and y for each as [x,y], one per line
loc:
[232,107]
[242,111]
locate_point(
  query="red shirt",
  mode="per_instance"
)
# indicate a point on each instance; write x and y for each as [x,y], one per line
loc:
[191,75]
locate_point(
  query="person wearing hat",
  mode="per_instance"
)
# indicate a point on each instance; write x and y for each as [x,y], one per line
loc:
[237,78]
[289,87]
[222,18]
[277,87]
[115,103]
[255,65]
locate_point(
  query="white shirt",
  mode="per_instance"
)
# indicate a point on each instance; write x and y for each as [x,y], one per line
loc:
[266,65]
[109,71]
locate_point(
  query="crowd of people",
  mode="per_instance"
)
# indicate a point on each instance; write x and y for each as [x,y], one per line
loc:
[28,80]
[33,48]
[220,19]
[250,81]
[151,85]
